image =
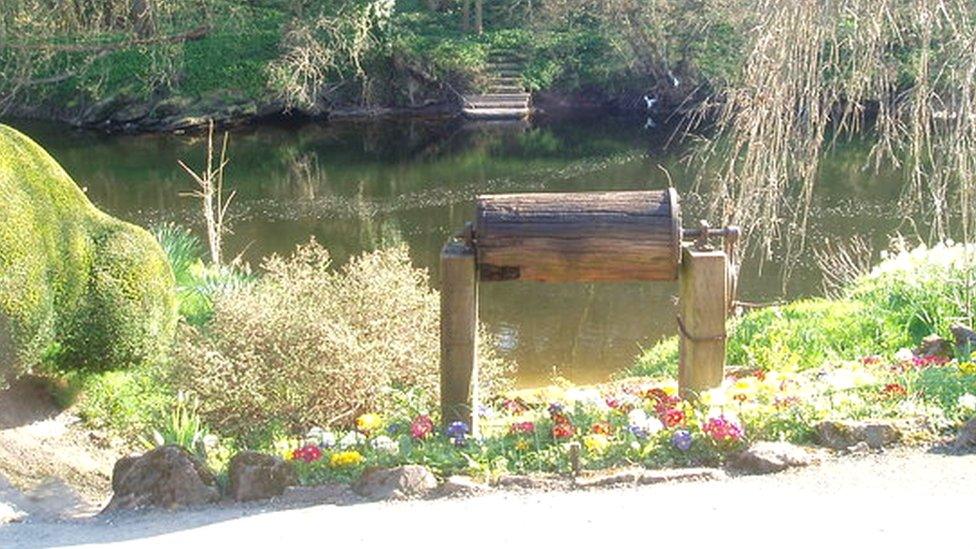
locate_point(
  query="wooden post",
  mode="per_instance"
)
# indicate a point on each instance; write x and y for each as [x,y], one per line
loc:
[459,335]
[701,320]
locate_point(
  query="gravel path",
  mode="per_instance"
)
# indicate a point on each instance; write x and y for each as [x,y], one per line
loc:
[900,498]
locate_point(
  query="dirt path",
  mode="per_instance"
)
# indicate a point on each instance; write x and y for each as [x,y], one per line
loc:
[901,498]
[50,467]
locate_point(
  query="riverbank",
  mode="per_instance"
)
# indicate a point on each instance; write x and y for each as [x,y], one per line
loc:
[354,59]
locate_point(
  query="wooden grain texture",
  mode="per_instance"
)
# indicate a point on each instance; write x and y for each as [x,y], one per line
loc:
[578,237]
[459,335]
[701,308]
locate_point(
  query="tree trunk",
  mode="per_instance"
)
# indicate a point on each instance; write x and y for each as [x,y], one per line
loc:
[466,15]
[479,26]
[141,18]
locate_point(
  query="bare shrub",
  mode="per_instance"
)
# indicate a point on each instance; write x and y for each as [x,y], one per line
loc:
[309,345]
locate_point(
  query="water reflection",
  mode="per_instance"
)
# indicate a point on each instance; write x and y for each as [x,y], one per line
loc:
[357,187]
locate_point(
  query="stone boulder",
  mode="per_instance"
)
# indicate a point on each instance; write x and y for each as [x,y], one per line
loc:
[771,457]
[167,477]
[934,345]
[460,486]
[841,435]
[966,438]
[252,475]
[965,338]
[403,482]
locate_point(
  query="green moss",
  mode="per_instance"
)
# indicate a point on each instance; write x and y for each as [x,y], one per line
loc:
[78,288]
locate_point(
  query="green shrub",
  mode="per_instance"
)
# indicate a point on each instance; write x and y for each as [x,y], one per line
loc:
[77,287]
[308,345]
[905,298]
[128,402]
[196,282]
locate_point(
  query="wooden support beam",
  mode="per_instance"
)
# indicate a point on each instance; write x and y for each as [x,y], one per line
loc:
[459,335]
[702,307]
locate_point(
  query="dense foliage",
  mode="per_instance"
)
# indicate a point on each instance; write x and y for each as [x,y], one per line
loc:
[78,289]
[908,296]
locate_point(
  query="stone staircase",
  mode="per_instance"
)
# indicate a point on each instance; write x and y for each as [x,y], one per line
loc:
[505,97]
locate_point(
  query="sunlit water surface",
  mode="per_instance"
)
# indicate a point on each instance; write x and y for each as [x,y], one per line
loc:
[355,187]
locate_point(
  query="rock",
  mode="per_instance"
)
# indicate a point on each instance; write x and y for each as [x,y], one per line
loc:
[934,345]
[859,449]
[965,339]
[459,485]
[167,477]
[253,475]
[771,457]
[9,514]
[533,482]
[397,483]
[609,479]
[966,438]
[132,112]
[681,475]
[841,435]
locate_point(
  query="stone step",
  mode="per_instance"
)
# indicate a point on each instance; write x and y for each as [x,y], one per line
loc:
[504,81]
[496,57]
[496,104]
[499,67]
[496,114]
[506,74]
[505,89]
[499,97]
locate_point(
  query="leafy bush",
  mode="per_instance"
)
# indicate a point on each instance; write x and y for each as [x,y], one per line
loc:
[196,282]
[128,402]
[308,345]
[908,296]
[77,287]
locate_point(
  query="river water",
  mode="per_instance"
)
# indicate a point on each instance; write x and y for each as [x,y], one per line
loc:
[358,186]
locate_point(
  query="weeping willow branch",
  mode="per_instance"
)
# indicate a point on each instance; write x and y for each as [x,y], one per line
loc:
[816,71]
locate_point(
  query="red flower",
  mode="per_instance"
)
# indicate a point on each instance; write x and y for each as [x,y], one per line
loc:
[421,427]
[672,417]
[871,359]
[894,390]
[515,406]
[563,429]
[307,453]
[930,360]
[722,430]
[523,427]
[602,428]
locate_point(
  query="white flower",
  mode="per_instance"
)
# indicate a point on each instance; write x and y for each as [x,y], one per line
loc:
[968,401]
[904,355]
[210,441]
[352,438]
[385,444]
[320,437]
[714,397]
[639,419]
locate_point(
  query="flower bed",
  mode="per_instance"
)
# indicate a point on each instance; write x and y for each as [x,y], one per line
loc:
[643,422]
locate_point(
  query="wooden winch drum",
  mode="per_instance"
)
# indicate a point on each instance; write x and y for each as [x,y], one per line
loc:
[578,237]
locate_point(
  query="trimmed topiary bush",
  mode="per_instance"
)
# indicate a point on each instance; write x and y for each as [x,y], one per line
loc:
[78,288]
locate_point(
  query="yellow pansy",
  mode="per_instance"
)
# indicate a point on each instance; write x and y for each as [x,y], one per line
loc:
[596,442]
[369,422]
[345,459]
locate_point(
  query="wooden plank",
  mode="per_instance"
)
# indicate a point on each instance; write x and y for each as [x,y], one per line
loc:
[459,335]
[578,237]
[702,308]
